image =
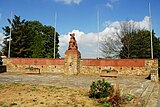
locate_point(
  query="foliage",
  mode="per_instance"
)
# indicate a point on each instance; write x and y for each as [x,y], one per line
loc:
[31,68]
[4,106]
[30,39]
[106,94]
[141,47]
[100,89]
[116,101]
[13,104]
[128,97]
[121,40]
[130,42]
[109,70]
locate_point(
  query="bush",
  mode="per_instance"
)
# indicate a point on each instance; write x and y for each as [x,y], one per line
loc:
[128,97]
[31,68]
[100,89]
[106,94]
[116,101]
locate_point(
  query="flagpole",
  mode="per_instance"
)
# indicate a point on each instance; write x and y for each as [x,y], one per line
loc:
[98,33]
[9,40]
[150,26]
[55,35]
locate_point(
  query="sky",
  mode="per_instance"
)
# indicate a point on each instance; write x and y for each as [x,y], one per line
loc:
[80,17]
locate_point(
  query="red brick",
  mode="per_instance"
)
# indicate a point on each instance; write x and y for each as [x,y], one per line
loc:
[114,62]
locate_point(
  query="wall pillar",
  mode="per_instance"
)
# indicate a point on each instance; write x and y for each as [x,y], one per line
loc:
[72,62]
[154,70]
[72,57]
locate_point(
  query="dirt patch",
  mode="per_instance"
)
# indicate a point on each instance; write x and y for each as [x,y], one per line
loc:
[27,95]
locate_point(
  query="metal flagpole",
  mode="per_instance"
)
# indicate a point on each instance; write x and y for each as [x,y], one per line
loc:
[150,26]
[98,32]
[9,40]
[55,35]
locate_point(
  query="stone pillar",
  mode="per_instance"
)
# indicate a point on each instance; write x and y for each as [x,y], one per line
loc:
[72,57]
[154,75]
[154,70]
[72,62]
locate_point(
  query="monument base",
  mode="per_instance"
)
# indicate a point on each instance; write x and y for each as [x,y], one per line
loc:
[154,75]
[72,62]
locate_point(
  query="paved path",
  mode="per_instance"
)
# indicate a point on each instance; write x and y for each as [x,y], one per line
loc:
[158,103]
[146,92]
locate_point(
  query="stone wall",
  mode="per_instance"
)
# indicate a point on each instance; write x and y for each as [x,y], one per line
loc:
[123,66]
[87,66]
[44,64]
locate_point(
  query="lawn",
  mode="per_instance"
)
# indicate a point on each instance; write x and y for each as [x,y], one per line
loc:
[29,95]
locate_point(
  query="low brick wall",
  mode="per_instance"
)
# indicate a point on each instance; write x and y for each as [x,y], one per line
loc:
[44,64]
[87,66]
[123,66]
[37,61]
[114,62]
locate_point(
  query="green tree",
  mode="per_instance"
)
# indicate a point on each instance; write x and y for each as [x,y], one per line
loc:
[142,45]
[19,43]
[45,40]
[37,47]
[30,39]
[131,43]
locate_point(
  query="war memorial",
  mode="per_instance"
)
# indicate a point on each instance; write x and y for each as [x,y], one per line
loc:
[78,74]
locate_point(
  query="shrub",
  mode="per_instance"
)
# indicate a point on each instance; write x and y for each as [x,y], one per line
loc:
[100,89]
[31,68]
[128,97]
[106,94]
[116,101]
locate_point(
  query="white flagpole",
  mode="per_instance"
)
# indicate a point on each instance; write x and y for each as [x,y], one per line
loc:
[9,40]
[150,23]
[98,33]
[55,35]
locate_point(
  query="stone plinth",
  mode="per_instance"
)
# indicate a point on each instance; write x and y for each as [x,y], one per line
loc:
[72,62]
[154,70]
[154,75]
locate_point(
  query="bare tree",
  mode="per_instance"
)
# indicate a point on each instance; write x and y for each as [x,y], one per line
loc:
[121,43]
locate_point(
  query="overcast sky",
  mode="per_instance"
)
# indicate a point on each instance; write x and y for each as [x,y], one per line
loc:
[80,17]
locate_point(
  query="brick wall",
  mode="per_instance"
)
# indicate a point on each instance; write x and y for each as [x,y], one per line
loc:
[114,62]
[123,66]
[87,66]
[44,64]
[37,61]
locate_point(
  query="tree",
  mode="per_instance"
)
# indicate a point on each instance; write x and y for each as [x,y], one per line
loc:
[130,43]
[19,38]
[142,45]
[44,40]
[30,39]
[121,43]
[110,47]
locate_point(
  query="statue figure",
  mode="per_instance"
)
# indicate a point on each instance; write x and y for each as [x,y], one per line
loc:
[72,43]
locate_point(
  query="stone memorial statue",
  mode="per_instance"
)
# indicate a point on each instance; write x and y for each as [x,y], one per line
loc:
[72,43]
[72,57]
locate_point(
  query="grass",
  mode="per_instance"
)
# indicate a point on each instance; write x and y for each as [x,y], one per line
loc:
[28,95]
